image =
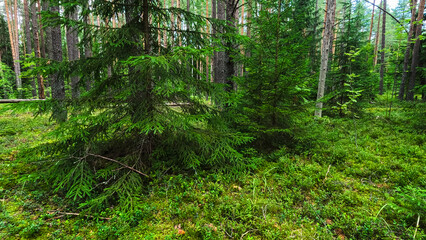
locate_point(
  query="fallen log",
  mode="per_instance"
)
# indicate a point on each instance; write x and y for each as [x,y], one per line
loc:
[19,100]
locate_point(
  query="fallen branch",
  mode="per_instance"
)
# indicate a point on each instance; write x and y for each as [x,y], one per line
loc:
[19,100]
[122,164]
[75,214]
[326,174]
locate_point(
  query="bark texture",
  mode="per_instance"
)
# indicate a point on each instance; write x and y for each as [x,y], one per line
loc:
[220,68]
[325,50]
[36,36]
[28,45]
[58,85]
[416,52]
[382,61]
[73,53]
[13,43]
[372,20]
[413,5]
[377,37]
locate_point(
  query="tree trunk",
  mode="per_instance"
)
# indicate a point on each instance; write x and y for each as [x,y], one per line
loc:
[88,50]
[172,20]
[382,61]
[207,58]
[416,51]
[214,57]
[37,52]
[179,25]
[49,47]
[377,37]
[413,5]
[18,64]
[58,85]
[231,19]
[42,42]
[13,43]
[28,44]
[372,20]
[325,50]
[221,61]
[73,53]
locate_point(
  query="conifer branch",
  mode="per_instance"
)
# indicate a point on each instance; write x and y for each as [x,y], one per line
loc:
[120,163]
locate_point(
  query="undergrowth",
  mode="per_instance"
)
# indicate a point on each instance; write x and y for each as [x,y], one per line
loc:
[349,178]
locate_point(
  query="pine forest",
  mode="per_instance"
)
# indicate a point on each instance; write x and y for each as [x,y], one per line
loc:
[212,119]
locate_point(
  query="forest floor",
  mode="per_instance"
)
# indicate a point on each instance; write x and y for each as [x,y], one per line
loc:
[364,179]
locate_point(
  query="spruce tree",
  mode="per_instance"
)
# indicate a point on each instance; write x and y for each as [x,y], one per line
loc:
[148,114]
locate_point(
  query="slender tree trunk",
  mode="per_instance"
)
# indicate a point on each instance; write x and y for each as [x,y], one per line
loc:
[207,58]
[18,64]
[28,44]
[231,19]
[214,57]
[34,20]
[372,20]
[179,25]
[13,45]
[49,49]
[416,51]
[377,37]
[172,19]
[58,85]
[165,32]
[42,42]
[220,57]
[325,50]
[73,53]
[382,61]
[88,53]
[413,6]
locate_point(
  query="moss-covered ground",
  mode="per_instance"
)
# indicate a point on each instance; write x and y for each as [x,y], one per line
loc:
[356,178]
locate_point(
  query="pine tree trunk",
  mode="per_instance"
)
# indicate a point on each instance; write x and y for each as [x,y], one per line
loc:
[42,42]
[207,58]
[73,53]
[325,50]
[172,19]
[49,48]
[13,45]
[214,57]
[416,51]
[34,20]
[28,44]
[58,85]
[382,61]
[413,5]
[88,53]
[18,64]
[377,37]
[372,20]
[221,61]
[231,19]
